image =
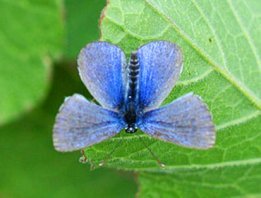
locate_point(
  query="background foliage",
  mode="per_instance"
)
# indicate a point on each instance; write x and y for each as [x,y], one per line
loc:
[33,35]
[221,45]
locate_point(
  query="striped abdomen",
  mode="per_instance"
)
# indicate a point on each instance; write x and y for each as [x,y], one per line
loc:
[133,73]
[132,95]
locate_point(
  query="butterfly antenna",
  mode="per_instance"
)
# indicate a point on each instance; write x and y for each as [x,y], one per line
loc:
[161,164]
[108,156]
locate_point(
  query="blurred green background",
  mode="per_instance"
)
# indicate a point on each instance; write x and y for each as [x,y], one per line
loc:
[29,165]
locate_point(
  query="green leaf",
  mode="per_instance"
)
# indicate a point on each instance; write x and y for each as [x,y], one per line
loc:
[81,25]
[31,35]
[227,180]
[221,46]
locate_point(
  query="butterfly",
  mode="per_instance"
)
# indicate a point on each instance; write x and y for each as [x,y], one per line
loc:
[130,94]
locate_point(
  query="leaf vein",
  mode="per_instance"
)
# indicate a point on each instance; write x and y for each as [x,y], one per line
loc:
[246,34]
[225,73]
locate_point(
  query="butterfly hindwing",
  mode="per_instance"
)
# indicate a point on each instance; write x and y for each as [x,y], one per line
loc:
[102,68]
[186,122]
[160,66]
[81,123]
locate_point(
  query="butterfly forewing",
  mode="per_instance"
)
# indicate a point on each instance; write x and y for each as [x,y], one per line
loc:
[102,70]
[81,123]
[160,66]
[186,122]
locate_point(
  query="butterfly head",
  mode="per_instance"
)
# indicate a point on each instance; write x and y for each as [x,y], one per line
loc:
[132,128]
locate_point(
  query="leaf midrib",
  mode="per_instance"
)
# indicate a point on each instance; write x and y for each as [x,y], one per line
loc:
[189,167]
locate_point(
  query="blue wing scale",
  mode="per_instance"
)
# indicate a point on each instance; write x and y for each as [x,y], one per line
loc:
[102,70]
[81,123]
[160,66]
[186,122]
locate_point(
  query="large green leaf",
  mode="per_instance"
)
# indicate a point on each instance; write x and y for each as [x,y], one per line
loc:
[221,46]
[31,36]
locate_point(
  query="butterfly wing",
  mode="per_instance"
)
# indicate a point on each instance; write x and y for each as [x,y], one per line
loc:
[81,123]
[186,122]
[101,67]
[160,66]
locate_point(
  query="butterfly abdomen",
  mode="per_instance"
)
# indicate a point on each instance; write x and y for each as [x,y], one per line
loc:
[132,96]
[133,73]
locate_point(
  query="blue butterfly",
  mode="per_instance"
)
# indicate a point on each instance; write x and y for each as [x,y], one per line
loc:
[130,95]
